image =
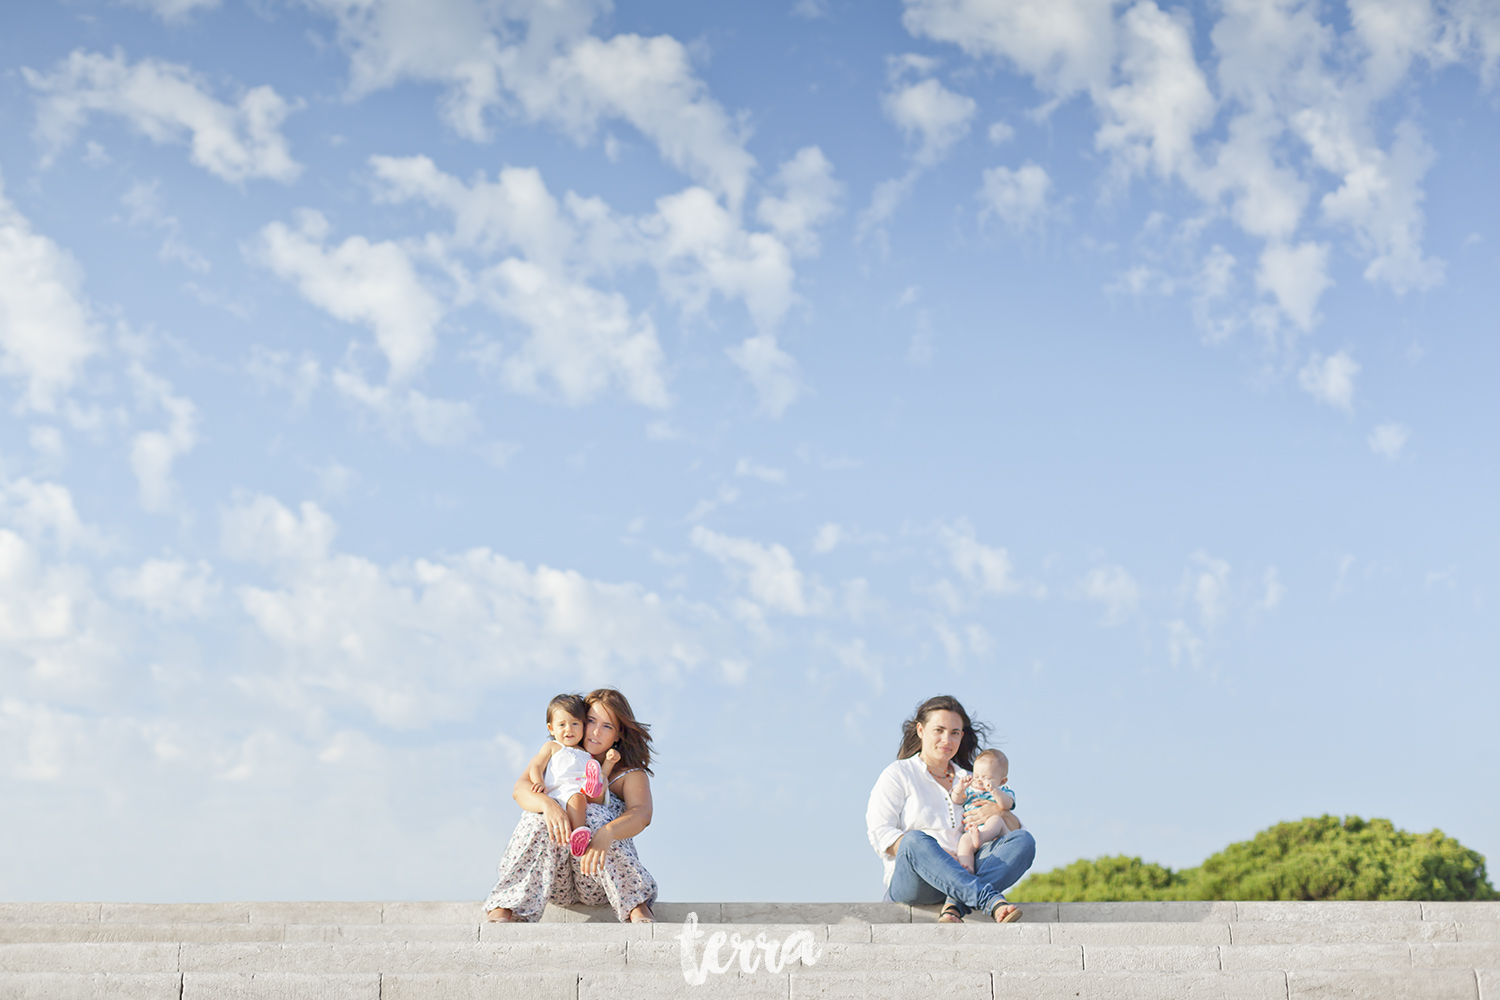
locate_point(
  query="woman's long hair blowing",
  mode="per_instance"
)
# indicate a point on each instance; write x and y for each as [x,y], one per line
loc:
[911,742]
[634,740]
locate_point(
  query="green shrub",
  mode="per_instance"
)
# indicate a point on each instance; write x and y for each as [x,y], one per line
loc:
[1314,858]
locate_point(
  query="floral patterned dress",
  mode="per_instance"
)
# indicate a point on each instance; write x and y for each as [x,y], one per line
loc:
[535,871]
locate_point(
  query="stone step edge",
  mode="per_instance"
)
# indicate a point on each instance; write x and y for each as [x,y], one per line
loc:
[743,912]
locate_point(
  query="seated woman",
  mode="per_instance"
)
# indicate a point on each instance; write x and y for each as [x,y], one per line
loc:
[538,868]
[915,826]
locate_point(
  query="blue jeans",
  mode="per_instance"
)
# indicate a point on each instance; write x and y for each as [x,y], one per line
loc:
[926,874]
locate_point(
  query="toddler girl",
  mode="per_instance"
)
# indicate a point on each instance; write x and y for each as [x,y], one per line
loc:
[986,784]
[566,772]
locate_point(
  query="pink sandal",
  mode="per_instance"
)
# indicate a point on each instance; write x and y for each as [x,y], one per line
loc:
[593,784]
[579,841]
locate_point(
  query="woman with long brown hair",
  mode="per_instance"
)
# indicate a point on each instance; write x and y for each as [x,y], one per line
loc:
[915,826]
[538,867]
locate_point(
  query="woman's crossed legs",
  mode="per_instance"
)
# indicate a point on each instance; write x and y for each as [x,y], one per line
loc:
[926,874]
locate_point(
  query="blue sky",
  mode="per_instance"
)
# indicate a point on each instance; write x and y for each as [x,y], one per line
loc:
[375,370]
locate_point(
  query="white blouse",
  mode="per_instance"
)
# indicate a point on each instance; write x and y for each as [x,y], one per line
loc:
[907,797]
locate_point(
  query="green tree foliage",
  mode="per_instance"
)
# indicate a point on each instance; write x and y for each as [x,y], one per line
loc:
[1315,858]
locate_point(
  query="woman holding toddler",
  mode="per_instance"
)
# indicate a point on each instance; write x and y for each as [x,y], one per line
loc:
[539,866]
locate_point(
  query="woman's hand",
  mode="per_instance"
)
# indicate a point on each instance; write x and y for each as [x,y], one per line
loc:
[592,862]
[557,821]
[976,814]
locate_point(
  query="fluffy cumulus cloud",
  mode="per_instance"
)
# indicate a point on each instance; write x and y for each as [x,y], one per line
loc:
[809,197]
[46,333]
[1207,583]
[988,568]
[44,511]
[540,261]
[1066,45]
[1016,197]
[1330,380]
[417,641]
[541,61]
[173,10]
[1389,440]
[1114,588]
[166,103]
[153,453]
[768,572]
[1285,124]
[358,282]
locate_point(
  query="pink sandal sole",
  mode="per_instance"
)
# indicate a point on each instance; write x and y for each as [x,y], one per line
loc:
[593,784]
[579,841]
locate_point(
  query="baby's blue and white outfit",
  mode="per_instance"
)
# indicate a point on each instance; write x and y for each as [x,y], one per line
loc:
[973,796]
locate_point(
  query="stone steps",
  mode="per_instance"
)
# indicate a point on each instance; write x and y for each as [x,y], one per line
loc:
[443,951]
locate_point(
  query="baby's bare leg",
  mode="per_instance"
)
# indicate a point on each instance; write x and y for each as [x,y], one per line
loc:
[578,810]
[968,846]
[989,830]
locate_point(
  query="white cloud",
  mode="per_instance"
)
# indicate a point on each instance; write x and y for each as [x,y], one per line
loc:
[1330,380]
[1001,133]
[1151,119]
[1389,439]
[1183,643]
[1066,45]
[1275,589]
[43,509]
[1018,197]
[46,334]
[754,470]
[828,538]
[1113,587]
[166,103]
[1296,276]
[260,529]
[357,282]
[988,568]
[171,588]
[153,453]
[173,10]
[856,657]
[768,572]
[554,71]
[415,642]
[931,114]
[1207,582]
[810,196]
[772,371]
[57,641]
[582,339]
[1284,106]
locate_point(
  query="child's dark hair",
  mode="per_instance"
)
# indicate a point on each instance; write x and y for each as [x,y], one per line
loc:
[573,704]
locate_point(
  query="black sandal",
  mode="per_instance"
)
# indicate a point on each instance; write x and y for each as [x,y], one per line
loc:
[950,915]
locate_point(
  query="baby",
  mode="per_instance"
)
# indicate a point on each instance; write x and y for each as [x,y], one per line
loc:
[566,772]
[986,784]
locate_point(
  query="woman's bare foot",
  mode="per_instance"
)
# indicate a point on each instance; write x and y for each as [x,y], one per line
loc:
[642,915]
[1006,912]
[500,915]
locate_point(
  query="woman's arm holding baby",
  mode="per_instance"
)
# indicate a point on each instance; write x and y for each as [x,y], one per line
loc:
[539,802]
[635,790]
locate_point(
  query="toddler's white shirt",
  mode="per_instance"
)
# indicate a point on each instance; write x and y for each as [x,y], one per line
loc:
[564,775]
